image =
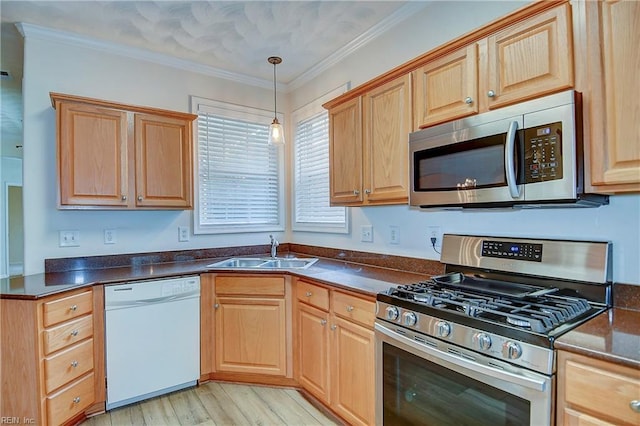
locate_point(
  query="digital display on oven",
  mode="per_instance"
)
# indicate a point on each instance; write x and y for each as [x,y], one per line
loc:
[517,251]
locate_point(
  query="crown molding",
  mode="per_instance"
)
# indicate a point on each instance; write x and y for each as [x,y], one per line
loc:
[73,39]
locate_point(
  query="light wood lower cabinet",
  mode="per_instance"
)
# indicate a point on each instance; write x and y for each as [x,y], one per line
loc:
[595,392]
[63,338]
[335,350]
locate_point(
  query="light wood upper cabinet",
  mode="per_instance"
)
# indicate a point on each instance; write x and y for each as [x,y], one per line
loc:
[609,64]
[369,146]
[525,60]
[115,156]
[582,384]
[345,153]
[446,88]
[530,59]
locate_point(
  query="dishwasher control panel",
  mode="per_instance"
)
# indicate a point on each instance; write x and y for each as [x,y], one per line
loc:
[136,292]
[186,285]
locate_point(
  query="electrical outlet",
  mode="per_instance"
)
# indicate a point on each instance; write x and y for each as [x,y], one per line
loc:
[366,233]
[183,233]
[435,232]
[69,238]
[109,236]
[394,234]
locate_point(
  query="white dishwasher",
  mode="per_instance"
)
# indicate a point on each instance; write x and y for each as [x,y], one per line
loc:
[152,338]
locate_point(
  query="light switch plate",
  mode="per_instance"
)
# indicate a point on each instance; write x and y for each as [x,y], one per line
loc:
[366,233]
[69,238]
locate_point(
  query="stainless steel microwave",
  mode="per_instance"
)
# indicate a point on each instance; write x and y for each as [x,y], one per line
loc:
[525,155]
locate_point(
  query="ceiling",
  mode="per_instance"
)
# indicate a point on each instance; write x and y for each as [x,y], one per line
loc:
[230,38]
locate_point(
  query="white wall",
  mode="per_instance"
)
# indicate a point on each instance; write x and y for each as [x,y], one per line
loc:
[618,222]
[60,67]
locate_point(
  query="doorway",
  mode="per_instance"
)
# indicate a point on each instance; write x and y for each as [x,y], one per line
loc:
[15,231]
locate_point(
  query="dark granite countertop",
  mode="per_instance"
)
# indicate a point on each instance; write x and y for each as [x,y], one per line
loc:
[612,336]
[361,278]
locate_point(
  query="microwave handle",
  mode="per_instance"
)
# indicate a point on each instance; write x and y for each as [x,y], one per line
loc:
[509,164]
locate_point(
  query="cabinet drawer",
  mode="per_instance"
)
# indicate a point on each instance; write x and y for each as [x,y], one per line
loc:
[585,382]
[67,308]
[70,401]
[312,295]
[68,365]
[250,285]
[67,333]
[354,309]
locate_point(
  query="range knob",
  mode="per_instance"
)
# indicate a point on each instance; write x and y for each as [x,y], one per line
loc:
[511,350]
[392,313]
[443,329]
[409,319]
[482,341]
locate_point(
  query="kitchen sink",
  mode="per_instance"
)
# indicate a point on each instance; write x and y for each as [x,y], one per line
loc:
[264,263]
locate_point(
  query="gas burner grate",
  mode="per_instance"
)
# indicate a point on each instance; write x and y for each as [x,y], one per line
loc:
[538,314]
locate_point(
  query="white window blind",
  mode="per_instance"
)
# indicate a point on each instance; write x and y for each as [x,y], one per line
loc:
[311,209]
[239,177]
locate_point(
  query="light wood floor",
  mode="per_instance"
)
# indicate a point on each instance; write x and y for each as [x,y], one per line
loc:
[216,403]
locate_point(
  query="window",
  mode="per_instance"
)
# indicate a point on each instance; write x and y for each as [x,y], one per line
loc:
[311,210]
[239,177]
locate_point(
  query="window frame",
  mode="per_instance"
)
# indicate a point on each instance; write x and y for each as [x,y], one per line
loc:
[238,112]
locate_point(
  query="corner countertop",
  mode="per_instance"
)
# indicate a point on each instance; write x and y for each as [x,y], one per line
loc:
[612,336]
[360,278]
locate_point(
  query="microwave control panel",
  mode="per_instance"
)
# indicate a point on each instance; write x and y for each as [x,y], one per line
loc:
[543,153]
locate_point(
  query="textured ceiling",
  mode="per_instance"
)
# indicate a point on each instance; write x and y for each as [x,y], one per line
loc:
[232,36]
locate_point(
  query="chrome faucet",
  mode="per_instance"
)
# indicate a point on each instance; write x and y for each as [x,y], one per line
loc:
[274,246]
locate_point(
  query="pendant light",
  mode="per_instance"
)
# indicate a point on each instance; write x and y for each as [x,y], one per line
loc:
[276,132]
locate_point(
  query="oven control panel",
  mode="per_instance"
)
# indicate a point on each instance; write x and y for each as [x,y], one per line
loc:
[511,250]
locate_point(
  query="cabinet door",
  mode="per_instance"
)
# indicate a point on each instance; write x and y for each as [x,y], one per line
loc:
[387,122]
[615,114]
[345,153]
[163,161]
[353,372]
[313,341]
[531,59]
[250,335]
[92,156]
[447,88]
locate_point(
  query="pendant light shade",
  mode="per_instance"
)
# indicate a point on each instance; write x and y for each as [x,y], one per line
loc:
[276,132]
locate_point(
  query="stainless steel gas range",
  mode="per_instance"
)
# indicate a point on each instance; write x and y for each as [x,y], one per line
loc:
[475,346]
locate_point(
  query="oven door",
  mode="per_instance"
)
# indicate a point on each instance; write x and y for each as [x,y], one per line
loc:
[417,384]
[478,163]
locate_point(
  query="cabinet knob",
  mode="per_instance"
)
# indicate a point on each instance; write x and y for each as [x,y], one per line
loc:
[74,333]
[356,192]
[468,100]
[74,364]
[76,400]
[216,306]
[491,94]
[308,294]
[323,322]
[367,191]
[73,308]
[139,197]
[123,198]
[635,405]
[349,308]
[333,327]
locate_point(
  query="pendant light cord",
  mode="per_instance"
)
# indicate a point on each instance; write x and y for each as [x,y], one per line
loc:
[275,101]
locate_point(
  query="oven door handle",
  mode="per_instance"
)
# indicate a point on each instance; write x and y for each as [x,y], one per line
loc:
[528,382]
[509,163]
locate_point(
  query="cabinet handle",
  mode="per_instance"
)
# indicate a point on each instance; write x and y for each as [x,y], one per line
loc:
[216,306]
[74,333]
[74,364]
[76,400]
[349,308]
[123,198]
[491,94]
[356,192]
[367,191]
[323,322]
[139,197]
[74,308]
[333,327]
[468,100]
[308,294]
[635,405]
